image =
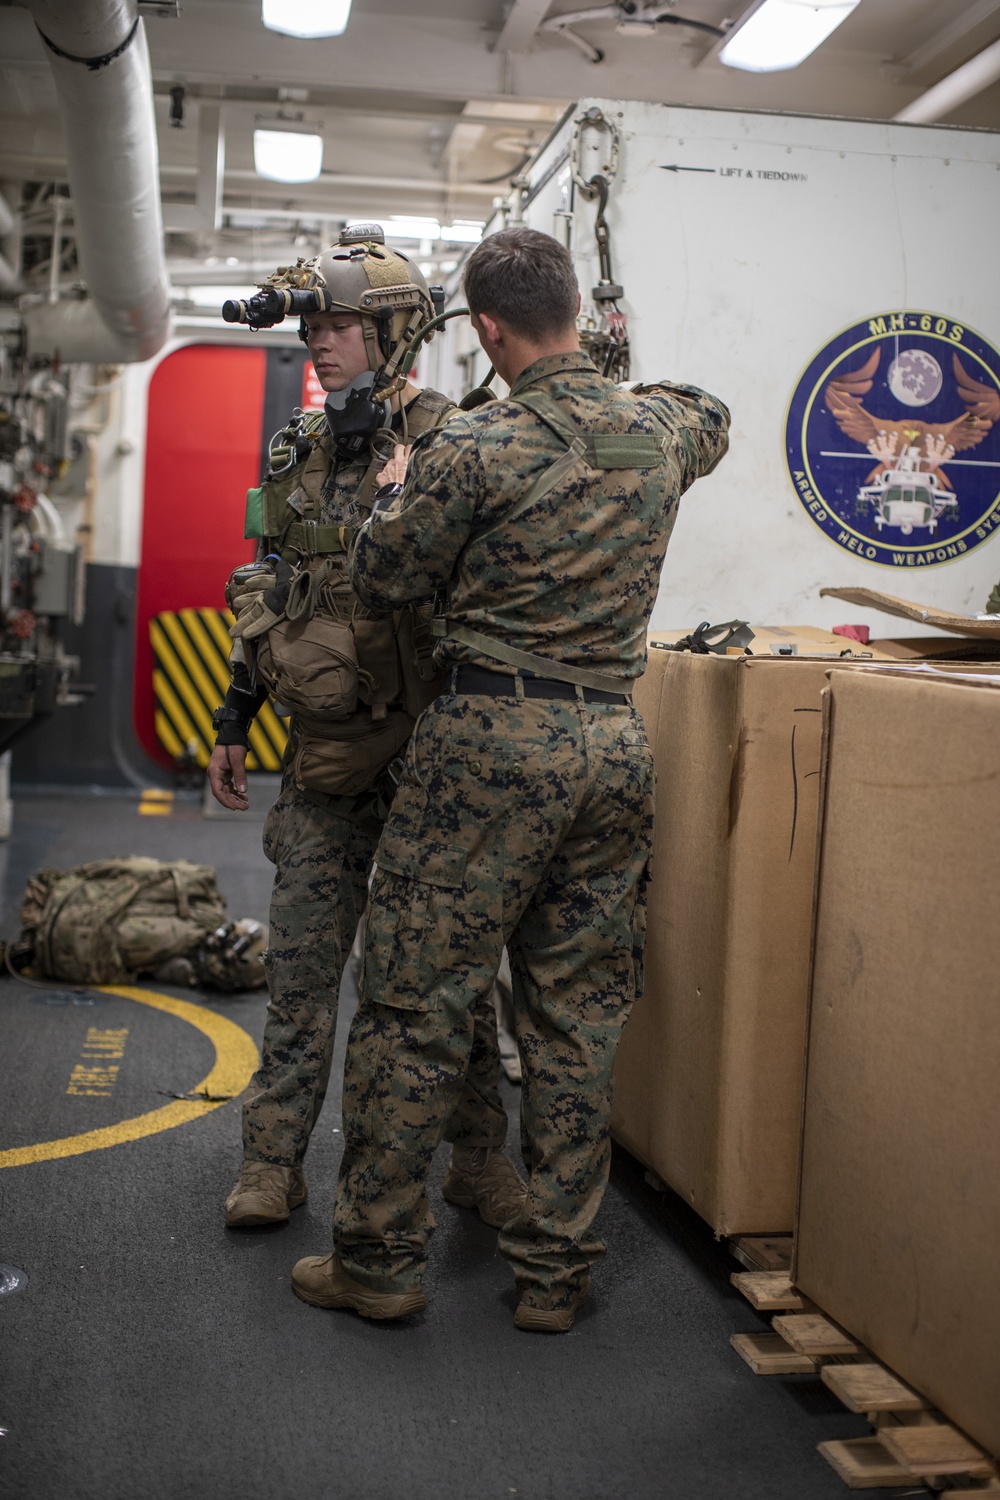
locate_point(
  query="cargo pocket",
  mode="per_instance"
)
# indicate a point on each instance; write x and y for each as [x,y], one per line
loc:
[271,835]
[410,919]
[639,933]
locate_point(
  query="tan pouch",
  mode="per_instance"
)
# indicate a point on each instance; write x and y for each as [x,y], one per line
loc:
[344,760]
[422,680]
[311,665]
[378,660]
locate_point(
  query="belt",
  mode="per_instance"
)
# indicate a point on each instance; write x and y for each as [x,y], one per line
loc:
[480,680]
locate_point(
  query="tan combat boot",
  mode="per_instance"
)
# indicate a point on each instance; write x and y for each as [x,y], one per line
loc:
[322,1281]
[486,1180]
[551,1319]
[264,1194]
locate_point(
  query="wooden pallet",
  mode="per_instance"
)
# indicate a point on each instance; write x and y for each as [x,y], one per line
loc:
[763,1252]
[911,1443]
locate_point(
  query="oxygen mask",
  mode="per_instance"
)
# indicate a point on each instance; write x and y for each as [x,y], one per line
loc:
[356,413]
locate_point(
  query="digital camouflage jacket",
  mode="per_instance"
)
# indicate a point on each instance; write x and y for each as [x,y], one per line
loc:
[572,577]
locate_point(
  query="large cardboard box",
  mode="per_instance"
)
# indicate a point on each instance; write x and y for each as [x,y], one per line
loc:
[898,1229]
[708,1081]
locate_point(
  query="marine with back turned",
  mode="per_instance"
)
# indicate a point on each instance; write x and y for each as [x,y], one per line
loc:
[524,813]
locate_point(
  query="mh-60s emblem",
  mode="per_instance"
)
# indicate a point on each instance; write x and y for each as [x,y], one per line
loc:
[893,439]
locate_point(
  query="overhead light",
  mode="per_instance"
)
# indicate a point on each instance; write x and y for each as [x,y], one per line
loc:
[782,33]
[306,17]
[464,232]
[403,228]
[287,156]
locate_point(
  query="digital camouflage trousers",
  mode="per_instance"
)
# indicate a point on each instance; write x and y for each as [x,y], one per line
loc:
[527,821]
[322,864]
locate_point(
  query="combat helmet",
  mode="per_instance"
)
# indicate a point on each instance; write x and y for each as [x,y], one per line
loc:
[360,274]
[363,274]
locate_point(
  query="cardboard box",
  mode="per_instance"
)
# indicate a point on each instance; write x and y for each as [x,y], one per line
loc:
[708,1081]
[938,648]
[985,627]
[899,1208]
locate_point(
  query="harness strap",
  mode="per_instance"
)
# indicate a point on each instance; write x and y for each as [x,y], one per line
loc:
[602,450]
[599,450]
[527,661]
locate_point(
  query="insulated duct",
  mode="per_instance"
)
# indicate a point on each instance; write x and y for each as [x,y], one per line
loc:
[955,90]
[100,64]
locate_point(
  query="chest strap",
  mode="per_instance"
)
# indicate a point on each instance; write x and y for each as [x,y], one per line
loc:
[316,538]
[527,661]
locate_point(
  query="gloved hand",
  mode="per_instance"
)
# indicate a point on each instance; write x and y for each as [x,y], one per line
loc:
[262,603]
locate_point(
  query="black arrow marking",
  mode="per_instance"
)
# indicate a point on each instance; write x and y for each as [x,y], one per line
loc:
[686,169]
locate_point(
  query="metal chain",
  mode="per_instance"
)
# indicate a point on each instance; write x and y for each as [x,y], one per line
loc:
[612,351]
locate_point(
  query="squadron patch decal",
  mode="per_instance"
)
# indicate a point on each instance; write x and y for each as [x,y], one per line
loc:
[893,439]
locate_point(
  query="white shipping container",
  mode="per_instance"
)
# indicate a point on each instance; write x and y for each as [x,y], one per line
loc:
[833,281]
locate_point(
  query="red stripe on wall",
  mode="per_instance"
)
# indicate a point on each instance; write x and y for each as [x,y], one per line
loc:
[203,443]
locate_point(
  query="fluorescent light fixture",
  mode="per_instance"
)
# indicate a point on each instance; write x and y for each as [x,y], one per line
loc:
[403,228]
[306,17]
[782,33]
[464,232]
[287,156]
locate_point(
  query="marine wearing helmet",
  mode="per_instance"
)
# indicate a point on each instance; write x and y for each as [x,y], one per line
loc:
[363,276]
[355,681]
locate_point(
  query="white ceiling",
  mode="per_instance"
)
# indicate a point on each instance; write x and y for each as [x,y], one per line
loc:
[421,115]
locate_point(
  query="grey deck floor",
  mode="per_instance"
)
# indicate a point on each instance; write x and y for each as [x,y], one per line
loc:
[155,1354]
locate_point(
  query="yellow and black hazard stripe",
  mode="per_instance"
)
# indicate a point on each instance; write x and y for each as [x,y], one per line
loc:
[190,678]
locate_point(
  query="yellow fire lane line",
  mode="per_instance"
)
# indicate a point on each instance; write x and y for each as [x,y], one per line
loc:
[235,1063]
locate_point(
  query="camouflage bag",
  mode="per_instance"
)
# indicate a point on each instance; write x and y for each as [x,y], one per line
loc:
[112,920]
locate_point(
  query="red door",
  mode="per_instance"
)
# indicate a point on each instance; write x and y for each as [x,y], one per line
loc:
[203,451]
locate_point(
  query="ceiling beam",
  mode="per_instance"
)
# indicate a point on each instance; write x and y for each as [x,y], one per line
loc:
[205,212]
[522,21]
[958,27]
[346,179]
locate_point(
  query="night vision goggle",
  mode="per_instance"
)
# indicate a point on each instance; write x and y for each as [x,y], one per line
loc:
[273,304]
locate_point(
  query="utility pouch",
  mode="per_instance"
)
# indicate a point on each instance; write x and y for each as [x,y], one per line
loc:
[311,666]
[422,680]
[346,759]
[253,523]
[378,660]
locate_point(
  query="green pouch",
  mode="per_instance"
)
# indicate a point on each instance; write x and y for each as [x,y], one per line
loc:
[253,527]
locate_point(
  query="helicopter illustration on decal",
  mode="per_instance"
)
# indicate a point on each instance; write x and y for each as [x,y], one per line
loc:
[908,487]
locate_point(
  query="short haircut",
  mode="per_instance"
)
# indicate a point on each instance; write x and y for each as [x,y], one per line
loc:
[525,279]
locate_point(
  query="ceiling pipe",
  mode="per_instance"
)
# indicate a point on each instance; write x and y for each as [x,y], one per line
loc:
[74,330]
[10,241]
[954,90]
[100,65]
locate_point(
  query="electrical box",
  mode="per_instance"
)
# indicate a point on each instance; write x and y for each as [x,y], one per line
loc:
[55,585]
